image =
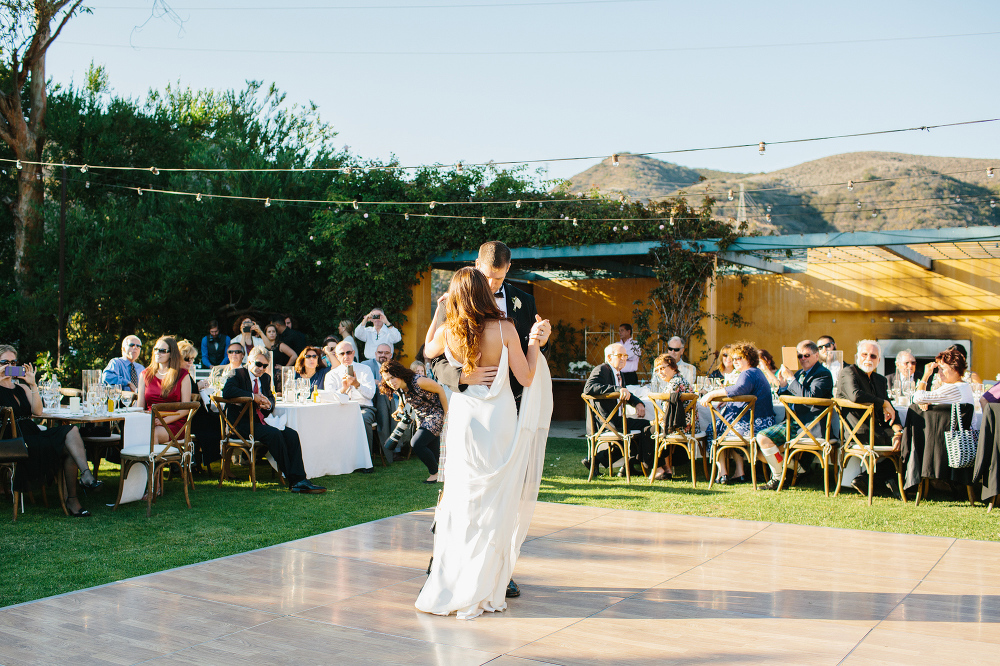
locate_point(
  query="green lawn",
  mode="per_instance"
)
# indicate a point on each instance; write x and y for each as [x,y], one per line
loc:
[45,553]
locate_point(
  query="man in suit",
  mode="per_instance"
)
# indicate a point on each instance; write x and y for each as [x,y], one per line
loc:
[906,368]
[254,382]
[384,405]
[607,378]
[812,381]
[860,383]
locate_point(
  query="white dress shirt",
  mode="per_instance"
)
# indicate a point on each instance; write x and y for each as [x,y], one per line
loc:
[688,372]
[387,335]
[632,349]
[363,394]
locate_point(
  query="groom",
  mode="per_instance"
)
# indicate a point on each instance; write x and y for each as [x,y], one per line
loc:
[494,262]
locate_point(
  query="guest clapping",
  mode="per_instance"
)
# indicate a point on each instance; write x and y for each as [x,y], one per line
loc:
[165,381]
[428,400]
[307,366]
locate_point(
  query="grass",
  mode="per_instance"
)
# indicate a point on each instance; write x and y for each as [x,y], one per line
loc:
[45,553]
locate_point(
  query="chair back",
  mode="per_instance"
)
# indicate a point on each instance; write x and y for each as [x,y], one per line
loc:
[8,423]
[660,401]
[805,435]
[750,402]
[229,427]
[605,425]
[159,413]
[849,435]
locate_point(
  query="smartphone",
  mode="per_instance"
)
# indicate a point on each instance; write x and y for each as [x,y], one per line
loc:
[376,316]
[350,370]
[13,371]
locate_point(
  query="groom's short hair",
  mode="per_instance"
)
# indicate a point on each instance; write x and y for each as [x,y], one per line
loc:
[494,254]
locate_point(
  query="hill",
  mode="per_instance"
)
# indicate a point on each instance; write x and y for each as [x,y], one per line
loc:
[914,192]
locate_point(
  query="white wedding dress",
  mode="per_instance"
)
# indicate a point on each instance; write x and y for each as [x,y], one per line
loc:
[492,473]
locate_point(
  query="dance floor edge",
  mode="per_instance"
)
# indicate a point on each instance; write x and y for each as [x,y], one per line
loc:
[598,586]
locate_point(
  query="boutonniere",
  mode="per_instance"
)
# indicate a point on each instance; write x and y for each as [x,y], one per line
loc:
[517,304]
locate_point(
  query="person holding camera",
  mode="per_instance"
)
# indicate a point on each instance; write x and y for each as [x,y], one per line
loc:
[429,402]
[248,335]
[380,332]
[356,381]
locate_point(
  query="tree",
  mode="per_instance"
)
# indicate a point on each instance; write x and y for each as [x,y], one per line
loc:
[26,37]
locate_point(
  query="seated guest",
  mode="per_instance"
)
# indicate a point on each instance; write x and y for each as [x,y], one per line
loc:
[768,367]
[418,368]
[380,331]
[283,445]
[245,329]
[385,404]
[952,389]
[235,354]
[205,425]
[932,377]
[357,382]
[429,402]
[667,379]
[47,449]
[124,371]
[282,354]
[723,366]
[861,384]
[213,346]
[307,366]
[630,372]
[294,340]
[346,330]
[330,351]
[906,366]
[825,344]
[607,378]
[750,381]
[675,347]
[165,381]
[812,381]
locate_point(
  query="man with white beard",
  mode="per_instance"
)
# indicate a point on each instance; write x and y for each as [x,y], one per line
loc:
[860,383]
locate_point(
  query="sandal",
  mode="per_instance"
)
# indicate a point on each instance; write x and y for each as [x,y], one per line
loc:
[82,513]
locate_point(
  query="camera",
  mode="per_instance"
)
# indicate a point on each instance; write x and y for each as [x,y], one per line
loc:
[397,433]
[247,328]
[376,316]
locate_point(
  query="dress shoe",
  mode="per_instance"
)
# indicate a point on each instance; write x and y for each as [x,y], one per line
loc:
[513,590]
[892,485]
[662,475]
[306,486]
[772,484]
[93,485]
[860,483]
[723,480]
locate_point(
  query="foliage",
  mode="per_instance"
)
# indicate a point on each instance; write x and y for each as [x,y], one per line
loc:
[565,347]
[684,273]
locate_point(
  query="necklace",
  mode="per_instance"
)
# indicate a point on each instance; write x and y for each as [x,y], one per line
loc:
[161,374]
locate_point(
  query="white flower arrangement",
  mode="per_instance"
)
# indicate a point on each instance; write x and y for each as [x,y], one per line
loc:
[580,369]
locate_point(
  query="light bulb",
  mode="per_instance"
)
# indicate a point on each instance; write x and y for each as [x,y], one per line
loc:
[989,172]
[621,198]
[267,202]
[539,204]
[19,166]
[154,171]
[850,185]
[484,219]
[574,221]
[518,204]
[768,208]
[458,168]
[829,255]
[366,216]
[319,262]
[355,204]
[730,195]
[858,203]
[433,204]
[197,197]
[760,147]
[662,227]
[958,199]
[346,171]
[625,228]
[312,238]
[87,184]
[874,213]
[139,190]
[84,168]
[614,160]
[406,216]
[614,228]
[993,203]
[768,217]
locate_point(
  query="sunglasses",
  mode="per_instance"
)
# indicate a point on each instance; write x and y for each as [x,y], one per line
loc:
[311,356]
[345,353]
[826,346]
[134,344]
[235,351]
[160,350]
[864,355]
[260,365]
[674,348]
[189,359]
[14,362]
[801,356]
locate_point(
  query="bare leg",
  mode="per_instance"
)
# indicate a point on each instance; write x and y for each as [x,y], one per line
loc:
[69,471]
[77,451]
[162,436]
[738,462]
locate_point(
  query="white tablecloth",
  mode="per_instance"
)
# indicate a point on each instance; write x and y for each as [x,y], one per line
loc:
[332,435]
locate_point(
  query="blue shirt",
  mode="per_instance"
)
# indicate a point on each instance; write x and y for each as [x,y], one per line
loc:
[119,372]
[753,382]
[205,361]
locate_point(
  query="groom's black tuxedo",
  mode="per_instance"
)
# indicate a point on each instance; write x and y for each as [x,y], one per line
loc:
[521,310]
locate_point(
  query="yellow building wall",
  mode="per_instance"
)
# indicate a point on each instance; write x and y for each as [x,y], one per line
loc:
[957,300]
[418,318]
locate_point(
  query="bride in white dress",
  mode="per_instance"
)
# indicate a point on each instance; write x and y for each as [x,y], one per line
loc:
[495,455]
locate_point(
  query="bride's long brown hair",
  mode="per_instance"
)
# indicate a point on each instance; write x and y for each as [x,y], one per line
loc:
[470,306]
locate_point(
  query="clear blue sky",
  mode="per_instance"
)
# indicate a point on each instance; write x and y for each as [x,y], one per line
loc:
[476,107]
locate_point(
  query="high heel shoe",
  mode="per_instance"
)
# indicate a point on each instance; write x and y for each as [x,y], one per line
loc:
[82,513]
[93,485]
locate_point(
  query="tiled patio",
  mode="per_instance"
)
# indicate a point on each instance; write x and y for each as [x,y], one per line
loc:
[599,586]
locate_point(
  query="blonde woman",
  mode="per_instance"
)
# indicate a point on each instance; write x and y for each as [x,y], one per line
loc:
[165,381]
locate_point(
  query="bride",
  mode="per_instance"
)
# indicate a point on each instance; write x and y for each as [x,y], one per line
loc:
[494,456]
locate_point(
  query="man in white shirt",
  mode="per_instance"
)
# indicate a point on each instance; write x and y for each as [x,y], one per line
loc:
[358,384]
[380,332]
[384,405]
[675,347]
[630,373]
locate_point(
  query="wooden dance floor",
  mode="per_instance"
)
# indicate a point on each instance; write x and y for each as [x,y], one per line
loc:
[599,586]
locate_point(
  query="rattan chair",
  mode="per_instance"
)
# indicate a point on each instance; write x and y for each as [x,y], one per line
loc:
[824,447]
[866,452]
[606,433]
[687,440]
[158,456]
[732,439]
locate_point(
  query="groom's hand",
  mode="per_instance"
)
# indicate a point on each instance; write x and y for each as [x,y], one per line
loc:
[483,375]
[540,330]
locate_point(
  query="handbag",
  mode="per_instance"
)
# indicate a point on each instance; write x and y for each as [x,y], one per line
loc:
[13,450]
[960,444]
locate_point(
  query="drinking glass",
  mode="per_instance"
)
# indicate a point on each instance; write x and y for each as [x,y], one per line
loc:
[115,394]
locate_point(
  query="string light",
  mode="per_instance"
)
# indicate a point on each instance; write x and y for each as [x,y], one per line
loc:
[458,168]
[406,216]
[858,202]
[84,168]
[139,190]
[614,160]
[518,204]
[993,203]
[958,199]
[198,197]
[154,171]
[19,165]
[768,208]
[87,185]
[768,217]
[574,221]
[433,204]
[760,148]
[366,216]
[730,195]
[850,185]
[989,172]
[625,228]
[355,204]
[661,227]
[484,219]
[875,213]
[267,202]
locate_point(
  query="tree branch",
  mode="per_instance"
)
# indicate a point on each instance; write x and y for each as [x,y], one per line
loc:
[67,17]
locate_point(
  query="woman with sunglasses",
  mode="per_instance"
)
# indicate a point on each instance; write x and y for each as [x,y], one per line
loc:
[428,400]
[205,424]
[47,449]
[308,366]
[723,366]
[165,381]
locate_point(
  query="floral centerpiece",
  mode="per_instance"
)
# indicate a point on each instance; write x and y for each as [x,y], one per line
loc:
[580,369]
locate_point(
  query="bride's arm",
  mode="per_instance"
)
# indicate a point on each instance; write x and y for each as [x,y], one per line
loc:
[434,342]
[436,325]
[523,368]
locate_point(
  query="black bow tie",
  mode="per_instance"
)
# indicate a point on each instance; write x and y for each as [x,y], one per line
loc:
[499,294]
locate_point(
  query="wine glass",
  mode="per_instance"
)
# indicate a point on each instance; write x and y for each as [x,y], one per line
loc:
[115,393]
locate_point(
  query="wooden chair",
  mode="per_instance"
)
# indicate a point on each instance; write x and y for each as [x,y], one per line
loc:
[866,452]
[687,440]
[731,439]
[8,430]
[159,456]
[823,447]
[607,434]
[234,442]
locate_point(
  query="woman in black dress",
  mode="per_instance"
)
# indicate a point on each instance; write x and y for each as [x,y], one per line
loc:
[205,424]
[47,449]
[428,400]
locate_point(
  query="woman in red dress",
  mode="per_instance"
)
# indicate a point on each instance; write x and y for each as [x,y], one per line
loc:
[165,381]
